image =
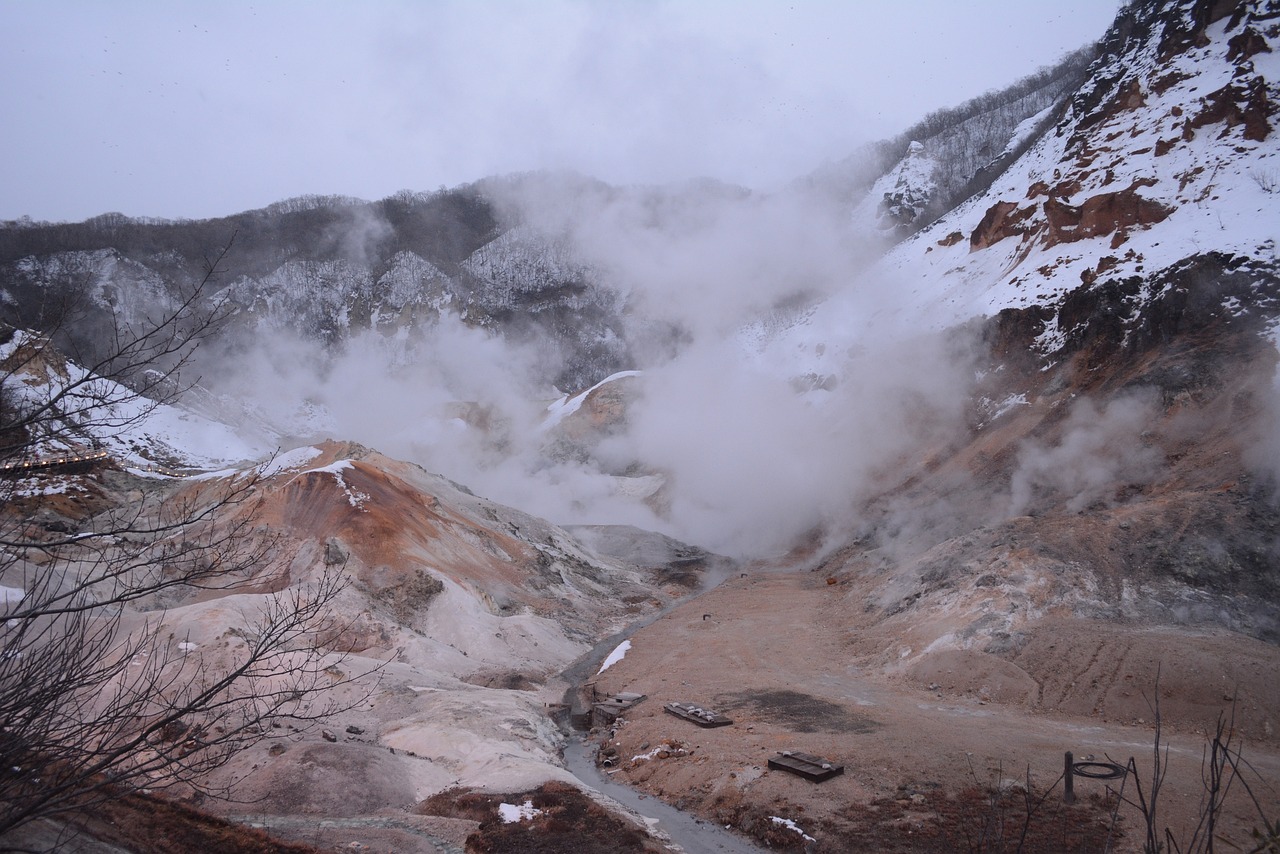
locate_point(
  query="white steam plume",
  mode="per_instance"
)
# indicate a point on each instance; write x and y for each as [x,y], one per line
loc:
[1100,449]
[752,459]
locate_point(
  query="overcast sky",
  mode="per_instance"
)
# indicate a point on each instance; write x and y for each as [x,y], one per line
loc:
[179,109]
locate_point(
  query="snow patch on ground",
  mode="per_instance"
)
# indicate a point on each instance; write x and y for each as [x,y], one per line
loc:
[561,409]
[619,653]
[354,498]
[1019,399]
[32,487]
[135,431]
[288,461]
[511,813]
[791,825]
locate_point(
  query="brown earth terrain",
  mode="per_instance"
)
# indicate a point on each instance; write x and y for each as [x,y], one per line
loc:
[141,823]
[923,746]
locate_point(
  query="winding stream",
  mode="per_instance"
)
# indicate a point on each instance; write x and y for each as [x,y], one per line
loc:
[692,834]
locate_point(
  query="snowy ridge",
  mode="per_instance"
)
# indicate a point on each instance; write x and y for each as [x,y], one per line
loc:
[413,280]
[106,416]
[321,292]
[523,260]
[1167,163]
[1025,131]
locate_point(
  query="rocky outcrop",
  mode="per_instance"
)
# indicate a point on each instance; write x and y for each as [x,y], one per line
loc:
[1246,43]
[603,410]
[1112,213]
[913,189]
[1100,215]
[1236,104]
[1002,220]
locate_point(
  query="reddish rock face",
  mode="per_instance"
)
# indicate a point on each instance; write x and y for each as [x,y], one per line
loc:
[1003,219]
[1100,215]
[1130,96]
[1236,104]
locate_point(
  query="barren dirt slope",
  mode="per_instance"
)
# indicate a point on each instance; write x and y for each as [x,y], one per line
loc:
[783,656]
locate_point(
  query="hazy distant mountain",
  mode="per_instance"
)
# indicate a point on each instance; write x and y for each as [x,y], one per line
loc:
[330,267]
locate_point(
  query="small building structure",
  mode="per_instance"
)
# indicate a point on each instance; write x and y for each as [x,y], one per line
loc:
[605,709]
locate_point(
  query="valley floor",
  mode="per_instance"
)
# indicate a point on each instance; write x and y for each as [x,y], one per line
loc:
[775,651]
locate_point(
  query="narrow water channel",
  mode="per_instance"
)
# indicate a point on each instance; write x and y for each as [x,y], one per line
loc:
[692,834]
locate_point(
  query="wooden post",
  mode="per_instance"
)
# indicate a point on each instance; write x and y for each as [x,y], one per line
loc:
[1068,791]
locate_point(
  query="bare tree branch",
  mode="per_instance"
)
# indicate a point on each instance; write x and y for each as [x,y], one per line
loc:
[89,707]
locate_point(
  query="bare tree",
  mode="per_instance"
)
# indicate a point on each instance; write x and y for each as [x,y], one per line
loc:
[96,697]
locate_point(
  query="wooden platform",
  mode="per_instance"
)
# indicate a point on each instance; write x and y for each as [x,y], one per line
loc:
[805,765]
[696,714]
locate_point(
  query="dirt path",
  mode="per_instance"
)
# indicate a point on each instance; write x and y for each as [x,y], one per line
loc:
[778,654]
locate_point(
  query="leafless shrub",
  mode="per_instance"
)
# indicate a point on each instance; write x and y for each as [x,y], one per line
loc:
[1222,768]
[91,707]
[1268,180]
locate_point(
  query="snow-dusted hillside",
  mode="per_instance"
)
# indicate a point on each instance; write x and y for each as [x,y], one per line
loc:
[1028,456]
[1166,153]
[326,271]
[1169,161]
[962,150]
[80,414]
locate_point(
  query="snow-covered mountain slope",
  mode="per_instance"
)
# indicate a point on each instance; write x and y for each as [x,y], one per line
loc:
[1166,153]
[1171,160]
[83,414]
[325,271]
[962,149]
[1118,292]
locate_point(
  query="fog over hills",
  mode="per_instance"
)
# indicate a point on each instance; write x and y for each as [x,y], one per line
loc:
[371,320]
[993,402]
